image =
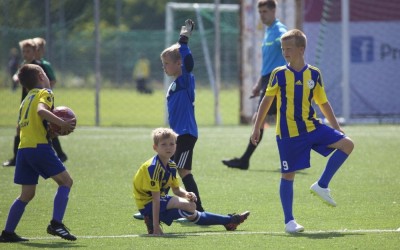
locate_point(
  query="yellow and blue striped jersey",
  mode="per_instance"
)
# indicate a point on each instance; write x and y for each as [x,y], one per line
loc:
[295,92]
[152,176]
[33,129]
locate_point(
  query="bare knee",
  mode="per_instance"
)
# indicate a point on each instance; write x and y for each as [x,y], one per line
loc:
[68,182]
[348,146]
[27,194]
[288,176]
[192,206]
[63,179]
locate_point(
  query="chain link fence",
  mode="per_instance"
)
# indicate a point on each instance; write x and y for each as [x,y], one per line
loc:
[70,49]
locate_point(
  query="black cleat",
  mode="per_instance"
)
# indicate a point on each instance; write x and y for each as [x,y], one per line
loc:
[11,237]
[236,220]
[149,224]
[9,163]
[58,229]
[236,163]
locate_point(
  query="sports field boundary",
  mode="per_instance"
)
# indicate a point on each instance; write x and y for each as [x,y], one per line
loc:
[172,235]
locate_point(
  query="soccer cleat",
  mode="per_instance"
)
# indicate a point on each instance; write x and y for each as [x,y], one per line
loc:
[323,193]
[236,163]
[149,224]
[138,216]
[58,229]
[11,237]
[236,220]
[9,163]
[293,227]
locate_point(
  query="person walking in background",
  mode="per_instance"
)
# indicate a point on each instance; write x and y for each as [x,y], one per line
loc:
[271,58]
[36,157]
[12,66]
[156,177]
[30,55]
[28,49]
[40,51]
[141,74]
[298,131]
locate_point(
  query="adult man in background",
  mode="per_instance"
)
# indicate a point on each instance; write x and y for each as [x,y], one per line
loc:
[271,58]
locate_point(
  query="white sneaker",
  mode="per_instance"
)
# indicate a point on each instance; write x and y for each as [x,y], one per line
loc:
[292,227]
[323,193]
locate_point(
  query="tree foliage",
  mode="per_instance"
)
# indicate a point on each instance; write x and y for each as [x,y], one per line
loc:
[78,14]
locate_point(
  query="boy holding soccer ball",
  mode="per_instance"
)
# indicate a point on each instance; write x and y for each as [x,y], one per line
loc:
[296,86]
[35,155]
[156,177]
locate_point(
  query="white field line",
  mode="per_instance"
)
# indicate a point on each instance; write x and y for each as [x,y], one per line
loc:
[345,231]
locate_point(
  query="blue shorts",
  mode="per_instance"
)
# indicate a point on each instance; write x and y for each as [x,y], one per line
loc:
[166,215]
[32,162]
[295,152]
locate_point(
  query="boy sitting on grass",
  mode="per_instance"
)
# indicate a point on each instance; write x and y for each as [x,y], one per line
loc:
[154,179]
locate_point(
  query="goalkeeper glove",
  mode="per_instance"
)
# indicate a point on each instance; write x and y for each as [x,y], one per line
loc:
[186,30]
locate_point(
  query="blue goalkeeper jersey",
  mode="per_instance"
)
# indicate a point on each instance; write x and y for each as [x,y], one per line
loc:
[271,47]
[181,97]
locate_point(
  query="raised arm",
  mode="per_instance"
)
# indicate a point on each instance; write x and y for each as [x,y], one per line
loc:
[186,32]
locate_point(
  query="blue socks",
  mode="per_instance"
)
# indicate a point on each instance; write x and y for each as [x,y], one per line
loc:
[60,203]
[334,163]
[206,218]
[18,207]
[14,216]
[286,194]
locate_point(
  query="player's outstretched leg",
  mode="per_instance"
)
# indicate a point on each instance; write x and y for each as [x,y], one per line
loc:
[236,220]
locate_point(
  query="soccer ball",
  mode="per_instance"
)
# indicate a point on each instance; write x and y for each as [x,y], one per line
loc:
[64,113]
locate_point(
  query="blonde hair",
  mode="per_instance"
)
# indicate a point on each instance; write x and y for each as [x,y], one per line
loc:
[172,52]
[40,42]
[299,37]
[27,43]
[159,134]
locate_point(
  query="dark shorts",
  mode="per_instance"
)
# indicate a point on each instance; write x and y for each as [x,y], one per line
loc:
[264,84]
[166,215]
[295,152]
[184,151]
[32,162]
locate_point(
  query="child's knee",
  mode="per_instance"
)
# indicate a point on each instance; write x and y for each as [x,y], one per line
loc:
[26,196]
[348,146]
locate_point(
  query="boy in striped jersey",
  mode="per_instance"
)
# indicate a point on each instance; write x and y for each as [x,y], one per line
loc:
[296,86]
[156,177]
